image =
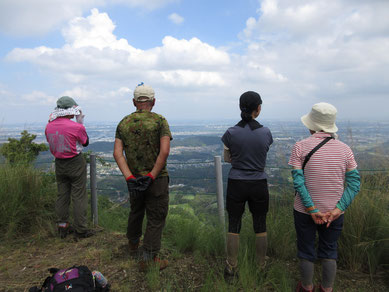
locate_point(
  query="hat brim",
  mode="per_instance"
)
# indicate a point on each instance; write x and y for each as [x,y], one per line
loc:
[59,112]
[311,125]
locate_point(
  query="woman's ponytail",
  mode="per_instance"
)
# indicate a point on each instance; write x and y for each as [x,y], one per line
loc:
[247,117]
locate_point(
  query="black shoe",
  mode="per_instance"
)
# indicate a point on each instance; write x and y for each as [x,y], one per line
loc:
[85,234]
[63,232]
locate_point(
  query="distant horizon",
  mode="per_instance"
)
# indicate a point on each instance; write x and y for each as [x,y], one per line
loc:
[200,122]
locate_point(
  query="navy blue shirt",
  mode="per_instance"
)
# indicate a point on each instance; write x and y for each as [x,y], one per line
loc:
[248,149]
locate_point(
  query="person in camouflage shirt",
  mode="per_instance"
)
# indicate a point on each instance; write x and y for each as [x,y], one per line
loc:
[142,130]
[145,137]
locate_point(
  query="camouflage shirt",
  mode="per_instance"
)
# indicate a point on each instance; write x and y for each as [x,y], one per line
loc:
[140,133]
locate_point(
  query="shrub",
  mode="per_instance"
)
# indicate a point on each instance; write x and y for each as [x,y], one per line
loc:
[27,200]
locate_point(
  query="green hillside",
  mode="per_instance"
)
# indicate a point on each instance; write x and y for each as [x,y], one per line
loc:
[192,242]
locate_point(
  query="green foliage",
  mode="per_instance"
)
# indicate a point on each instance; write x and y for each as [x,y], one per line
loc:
[192,226]
[27,201]
[280,229]
[112,216]
[23,151]
[364,244]
[188,233]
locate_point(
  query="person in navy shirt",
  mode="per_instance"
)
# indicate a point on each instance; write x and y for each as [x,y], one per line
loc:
[245,147]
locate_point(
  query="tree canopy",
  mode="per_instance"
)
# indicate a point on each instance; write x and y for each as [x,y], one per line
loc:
[22,151]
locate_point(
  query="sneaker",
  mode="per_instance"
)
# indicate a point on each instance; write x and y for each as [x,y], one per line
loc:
[300,288]
[85,234]
[145,265]
[63,229]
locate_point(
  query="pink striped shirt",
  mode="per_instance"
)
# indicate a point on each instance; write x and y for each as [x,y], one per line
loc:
[325,171]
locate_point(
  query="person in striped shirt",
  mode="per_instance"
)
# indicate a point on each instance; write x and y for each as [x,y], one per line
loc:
[321,196]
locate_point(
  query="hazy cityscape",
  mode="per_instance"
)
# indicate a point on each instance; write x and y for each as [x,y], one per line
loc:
[195,144]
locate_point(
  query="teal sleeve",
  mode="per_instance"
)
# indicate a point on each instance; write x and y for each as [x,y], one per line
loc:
[299,186]
[353,181]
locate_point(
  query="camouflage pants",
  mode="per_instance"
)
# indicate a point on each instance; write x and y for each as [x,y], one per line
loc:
[155,203]
[71,182]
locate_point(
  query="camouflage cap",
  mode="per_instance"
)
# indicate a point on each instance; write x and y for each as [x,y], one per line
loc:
[143,93]
[66,102]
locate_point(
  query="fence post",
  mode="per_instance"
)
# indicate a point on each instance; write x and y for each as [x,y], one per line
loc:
[93,189]
[219,189]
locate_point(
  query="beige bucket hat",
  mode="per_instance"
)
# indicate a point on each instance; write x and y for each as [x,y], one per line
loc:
[321,118]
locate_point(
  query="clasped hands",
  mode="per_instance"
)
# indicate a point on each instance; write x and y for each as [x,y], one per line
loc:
[139,184]
[326,218]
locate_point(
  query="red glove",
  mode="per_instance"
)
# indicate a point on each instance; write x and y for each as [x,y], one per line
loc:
[150,175]
[130,177]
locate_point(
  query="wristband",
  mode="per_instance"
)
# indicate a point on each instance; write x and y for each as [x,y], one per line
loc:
[130,177]
[150,175]
[311,210]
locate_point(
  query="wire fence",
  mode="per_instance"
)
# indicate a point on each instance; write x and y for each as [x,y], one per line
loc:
[272,184]
[101,174]
[269,167]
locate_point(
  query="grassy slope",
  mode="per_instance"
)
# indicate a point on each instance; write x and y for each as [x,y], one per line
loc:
[24,263]
[191,241]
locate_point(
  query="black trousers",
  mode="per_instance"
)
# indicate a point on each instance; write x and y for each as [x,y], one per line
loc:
[154,202]
[256,194]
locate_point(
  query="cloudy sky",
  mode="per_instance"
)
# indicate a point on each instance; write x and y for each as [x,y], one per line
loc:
[198,55]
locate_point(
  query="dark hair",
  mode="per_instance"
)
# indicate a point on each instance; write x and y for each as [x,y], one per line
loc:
[249,102]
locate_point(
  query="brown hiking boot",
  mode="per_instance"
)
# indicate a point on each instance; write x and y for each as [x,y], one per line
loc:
[145,265]
[133,247]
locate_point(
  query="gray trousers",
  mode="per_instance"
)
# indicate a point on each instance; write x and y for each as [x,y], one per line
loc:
[71,183]
[155,203]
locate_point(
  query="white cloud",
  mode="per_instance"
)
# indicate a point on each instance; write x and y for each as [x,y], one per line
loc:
[37,17]
[26,17]
[39,97]
[324,49]
[295,54]
[191,53]
[187,78]
[175,18]
[93,51]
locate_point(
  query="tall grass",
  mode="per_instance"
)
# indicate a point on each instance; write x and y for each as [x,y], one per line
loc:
[112,216]
[187,233]
[364,244]
[27,201]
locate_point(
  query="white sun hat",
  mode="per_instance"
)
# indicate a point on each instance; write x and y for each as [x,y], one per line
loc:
[321,118]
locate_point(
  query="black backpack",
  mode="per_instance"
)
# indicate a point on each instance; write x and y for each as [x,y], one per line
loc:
[74,279]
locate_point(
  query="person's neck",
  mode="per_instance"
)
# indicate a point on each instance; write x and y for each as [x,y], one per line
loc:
[145,109]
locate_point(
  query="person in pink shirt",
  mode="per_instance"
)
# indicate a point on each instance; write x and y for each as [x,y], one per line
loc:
[321,166]
[66,139]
